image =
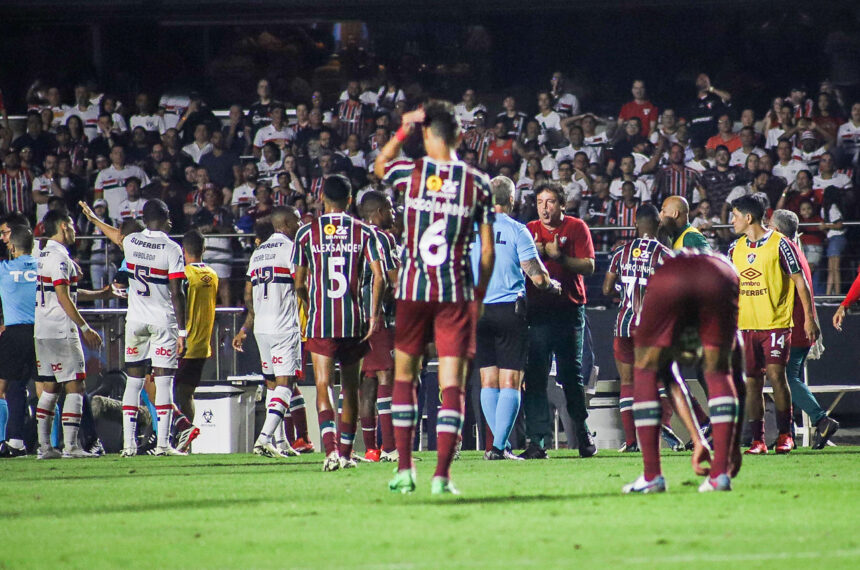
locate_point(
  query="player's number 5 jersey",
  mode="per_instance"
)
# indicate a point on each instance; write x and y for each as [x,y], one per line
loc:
[442,200]
[153,259]
[271,275]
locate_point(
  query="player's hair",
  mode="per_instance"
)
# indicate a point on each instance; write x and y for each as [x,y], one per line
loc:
[785,222]
[371,202]
[130,226]
[553,187]
[337,189]
[15,219]
[22,238]
[192,241]
[52,221]
[263,230]
[503,188]
[749,205]
[440,118]
[648,213]
[155,211]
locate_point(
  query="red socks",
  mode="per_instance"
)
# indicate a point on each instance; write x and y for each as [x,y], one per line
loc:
[368,432]
[448,426]
[723,404]
[326,418]
[404,416]
[383,405]
[647,418]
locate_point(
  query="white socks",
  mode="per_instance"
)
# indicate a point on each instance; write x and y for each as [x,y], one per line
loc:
[45,417]
[72,420]
[278,402]
[130,403]
[164,408]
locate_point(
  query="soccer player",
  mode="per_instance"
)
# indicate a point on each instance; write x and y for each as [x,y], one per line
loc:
[675,219]
[329,260]
[502,330]
[699,291]
[155,330]
[59,355]
[630,269]
[770,273]
[201,296]
[270,299]
[18,278]
[443,199]
[377,380]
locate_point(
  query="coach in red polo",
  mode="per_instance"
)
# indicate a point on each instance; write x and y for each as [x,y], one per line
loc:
[557,323]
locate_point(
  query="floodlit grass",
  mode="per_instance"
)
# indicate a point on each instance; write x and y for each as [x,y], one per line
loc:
[796,511]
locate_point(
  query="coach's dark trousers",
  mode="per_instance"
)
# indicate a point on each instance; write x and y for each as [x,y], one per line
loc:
[558,332]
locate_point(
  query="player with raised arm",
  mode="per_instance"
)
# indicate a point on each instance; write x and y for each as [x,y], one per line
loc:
[630,268]
[329,260]
[59,355]
[377,380]
[155,323]
[443,198]
[270,299]
[699,291]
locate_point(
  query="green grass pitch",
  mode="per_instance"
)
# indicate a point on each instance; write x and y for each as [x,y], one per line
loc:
[241,511]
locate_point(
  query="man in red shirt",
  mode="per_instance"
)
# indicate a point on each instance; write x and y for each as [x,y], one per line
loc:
[557,322]
[725,136]
[639,107]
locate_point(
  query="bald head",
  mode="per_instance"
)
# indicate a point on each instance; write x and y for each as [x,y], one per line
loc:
[675,213]
[285,220]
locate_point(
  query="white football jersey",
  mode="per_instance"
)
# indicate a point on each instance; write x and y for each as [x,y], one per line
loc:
[838,179]
[270,134]
[131,209]
[111,183]
[848,137]
[153,259]
[89,117]
[55,267]
[151,123]
[271,274]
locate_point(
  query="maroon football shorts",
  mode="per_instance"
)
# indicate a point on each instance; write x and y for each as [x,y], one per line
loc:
[451,325]
[345,350]
[381,355]
[622,346]
[765,347]
[690,291]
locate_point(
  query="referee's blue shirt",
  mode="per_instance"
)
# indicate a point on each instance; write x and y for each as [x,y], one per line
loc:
[18,290]
[513,245]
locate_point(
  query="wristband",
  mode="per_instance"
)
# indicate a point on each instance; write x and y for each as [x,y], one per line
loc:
[401,135]
[86,328]
[244,330]
[183,333]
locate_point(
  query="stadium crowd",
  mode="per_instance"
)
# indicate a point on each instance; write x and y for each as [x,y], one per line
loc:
[281,173]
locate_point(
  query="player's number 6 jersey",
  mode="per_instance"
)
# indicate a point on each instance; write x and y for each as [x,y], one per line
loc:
[153,259]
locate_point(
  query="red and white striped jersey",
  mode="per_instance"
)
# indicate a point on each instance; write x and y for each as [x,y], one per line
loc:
[443,202]
[110,185]
[153,259]
[848,137]
[270,134]
[351,116]
[334,248]
[271,275]
[55,267]
[17,191]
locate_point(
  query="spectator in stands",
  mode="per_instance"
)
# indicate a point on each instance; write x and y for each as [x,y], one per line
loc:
[259,111]
[668,127]
[597,211]
[85,111]
[832,212]
[276,132]
[200,146]
[47,184]
[39,141]
[746,136]
[829,176]
[173,150]
[628,137]
[641,108]
[787,167]
[389,95]
[479,138]
[717,182]
[243,195]
[549,121]
[801,107]
[213,218]
[624,211]
[848,138]
[501,151]
[779,128]
[573,188]
[110,105]
[102,271]
[705,221]
[467,108]
[576,138]
[77,152]
[74,187]
[146,118]
[711,103]
[809,149]
[564,102]
[165,187]
[354,153]
[16,186]
[236,136]
[197,112]
[827,115]
[353,116]
[25,156]
[270,163]
[725,137]
[132,206]
[626,168]
[110,182]
[107,136]
[156,156]
[139,148]
[812,238]
[514,120]
[221,164]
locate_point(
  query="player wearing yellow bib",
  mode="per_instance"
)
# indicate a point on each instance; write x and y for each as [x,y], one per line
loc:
[201,296]
[770,272]
[675,220]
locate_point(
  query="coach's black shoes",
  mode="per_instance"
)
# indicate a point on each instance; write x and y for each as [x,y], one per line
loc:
[7,450]
[494,455]
[533,451]
[824,430]
[585,442]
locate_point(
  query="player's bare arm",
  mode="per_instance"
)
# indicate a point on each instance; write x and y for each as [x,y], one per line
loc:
[301,278]
[609,283]
[240,337]
[391,150]
[177,299]
[110,232]
[810,327]
[537,272]
[91,338]
[488,257]
[376,297]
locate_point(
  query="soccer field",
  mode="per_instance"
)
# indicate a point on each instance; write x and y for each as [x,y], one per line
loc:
[242,511]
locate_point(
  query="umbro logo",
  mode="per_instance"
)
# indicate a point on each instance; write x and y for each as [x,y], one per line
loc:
[750,274]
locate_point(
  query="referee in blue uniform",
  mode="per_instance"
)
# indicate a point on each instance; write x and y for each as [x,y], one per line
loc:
[17,349]
[502,333]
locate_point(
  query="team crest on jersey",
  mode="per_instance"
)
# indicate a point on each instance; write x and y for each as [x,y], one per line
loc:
[750,257]
[562,240]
